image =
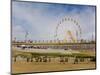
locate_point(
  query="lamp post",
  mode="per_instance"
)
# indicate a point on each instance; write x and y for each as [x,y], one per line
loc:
[26,35]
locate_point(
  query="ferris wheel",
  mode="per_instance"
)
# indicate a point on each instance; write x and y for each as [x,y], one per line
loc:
[68,29]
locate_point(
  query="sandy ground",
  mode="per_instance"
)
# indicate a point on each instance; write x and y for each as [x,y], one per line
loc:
[62,51]
[24,67]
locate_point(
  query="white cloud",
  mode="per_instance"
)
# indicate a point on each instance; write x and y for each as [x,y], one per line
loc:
[42,26]
[18,32]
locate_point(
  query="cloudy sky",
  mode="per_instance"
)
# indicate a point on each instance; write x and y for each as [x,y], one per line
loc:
[41,19]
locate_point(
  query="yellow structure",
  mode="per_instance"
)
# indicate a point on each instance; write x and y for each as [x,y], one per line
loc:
[69,33]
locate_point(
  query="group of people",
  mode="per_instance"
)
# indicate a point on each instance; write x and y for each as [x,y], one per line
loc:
[60,59]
